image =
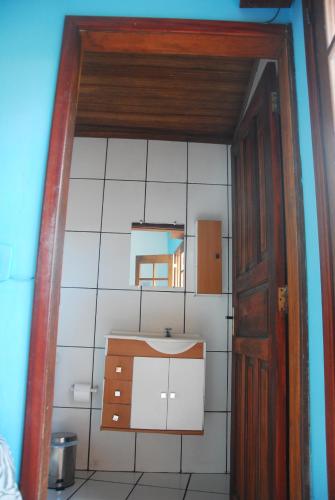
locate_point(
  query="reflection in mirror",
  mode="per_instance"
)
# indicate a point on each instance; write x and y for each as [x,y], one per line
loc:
[157,255]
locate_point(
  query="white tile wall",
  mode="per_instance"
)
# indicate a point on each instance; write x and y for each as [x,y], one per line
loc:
[84,205]
[174,182]
[126,159]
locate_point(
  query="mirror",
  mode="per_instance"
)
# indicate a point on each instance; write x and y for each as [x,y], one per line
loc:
[157,255]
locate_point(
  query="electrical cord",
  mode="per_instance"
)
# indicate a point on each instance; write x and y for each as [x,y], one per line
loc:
[274,17]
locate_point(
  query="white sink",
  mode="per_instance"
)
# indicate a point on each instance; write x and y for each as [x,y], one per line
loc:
[176,344]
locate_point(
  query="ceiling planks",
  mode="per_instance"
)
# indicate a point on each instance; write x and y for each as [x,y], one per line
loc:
[164,97]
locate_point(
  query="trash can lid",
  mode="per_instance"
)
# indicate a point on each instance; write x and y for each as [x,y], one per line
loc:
[62,437]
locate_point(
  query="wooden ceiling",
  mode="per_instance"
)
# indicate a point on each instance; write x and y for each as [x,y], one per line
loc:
[161,97]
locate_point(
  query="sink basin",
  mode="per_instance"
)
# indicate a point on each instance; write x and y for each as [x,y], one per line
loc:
[176,344]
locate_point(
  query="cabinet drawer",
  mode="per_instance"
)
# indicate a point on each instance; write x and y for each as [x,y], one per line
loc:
[117,391]
[116,416]
[119,368]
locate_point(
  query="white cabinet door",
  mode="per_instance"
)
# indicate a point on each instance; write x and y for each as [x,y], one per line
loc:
[186,394]
[149,393]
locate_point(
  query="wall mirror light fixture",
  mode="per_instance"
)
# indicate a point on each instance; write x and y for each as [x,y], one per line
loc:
[157,255]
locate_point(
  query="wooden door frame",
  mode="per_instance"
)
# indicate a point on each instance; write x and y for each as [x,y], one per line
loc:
[324,169]
[159,36]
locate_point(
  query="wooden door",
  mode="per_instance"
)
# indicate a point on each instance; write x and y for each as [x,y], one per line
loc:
[149,393]
[186,394]
[259,423]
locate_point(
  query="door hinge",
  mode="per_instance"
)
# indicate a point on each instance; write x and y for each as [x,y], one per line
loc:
[275,102]
[282,299]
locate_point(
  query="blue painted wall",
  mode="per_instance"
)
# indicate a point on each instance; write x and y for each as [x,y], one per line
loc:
[30,42]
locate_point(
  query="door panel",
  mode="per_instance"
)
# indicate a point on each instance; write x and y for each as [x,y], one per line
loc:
[186,382]
[259,343]
[150,382]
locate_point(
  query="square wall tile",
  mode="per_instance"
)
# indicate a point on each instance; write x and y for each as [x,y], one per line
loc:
[110,450]
[158,452]
[126,159]
[165,203]
[230,211]
[76,317]
[216,381]
[207,202]
[230,278]
[88,158]
[229,381]
[167,161]
[123,204]
[228,440]
[161,310]
[73,365]
[74,420]
[226,265]
[207,163]
[116,310]
[207,453]
[98,377]
[230,322]
[84,205]
[206,316]
[114,270]
[80,259]
[229,165]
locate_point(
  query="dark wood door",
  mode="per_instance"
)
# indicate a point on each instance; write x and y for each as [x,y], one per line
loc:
[259,423]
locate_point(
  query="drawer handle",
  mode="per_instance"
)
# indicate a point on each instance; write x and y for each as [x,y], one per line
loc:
[118,369]
[163,395]
[117,394]
[115,418]
[172,395]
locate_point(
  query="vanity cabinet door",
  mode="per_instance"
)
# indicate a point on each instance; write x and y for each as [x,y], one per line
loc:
[149,393]
[186,394]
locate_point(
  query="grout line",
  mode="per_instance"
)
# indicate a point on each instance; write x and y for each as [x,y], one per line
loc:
[96,309]
[135,451]
[72,494]
[187,485]
[185,238]
[151,180]
[146,182]
[139,290]
[128,496]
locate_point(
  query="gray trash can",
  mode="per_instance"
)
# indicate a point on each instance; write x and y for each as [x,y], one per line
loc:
[62,464]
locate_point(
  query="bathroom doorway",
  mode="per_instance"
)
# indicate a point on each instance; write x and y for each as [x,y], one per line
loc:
[166,38]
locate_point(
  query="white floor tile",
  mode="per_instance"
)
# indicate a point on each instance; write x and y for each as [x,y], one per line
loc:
[65,494]
[207,163]
[123,205]
[216,381]
[207,202]
[110,450]
[161,310]
[114,267]
[116,310]
[98,490]
[207,453]
[83,474]
[88,157]
[199,495]
[80,260]
[153,493]
[213,483]
[117,477]
[126,159]
[74,420]
[167,161]
[206,316]
[73,365]
[84,205]
[76,317]
[158,452]
[165,203]
[165,480]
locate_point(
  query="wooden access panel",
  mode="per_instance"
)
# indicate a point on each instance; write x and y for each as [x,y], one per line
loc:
[209,257]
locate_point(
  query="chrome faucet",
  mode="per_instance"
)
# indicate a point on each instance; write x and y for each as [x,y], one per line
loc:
[167,331]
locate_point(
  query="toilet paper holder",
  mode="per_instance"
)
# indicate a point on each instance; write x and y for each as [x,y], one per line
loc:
[92,389]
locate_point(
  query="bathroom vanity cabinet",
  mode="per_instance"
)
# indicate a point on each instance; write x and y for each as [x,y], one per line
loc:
[154,384]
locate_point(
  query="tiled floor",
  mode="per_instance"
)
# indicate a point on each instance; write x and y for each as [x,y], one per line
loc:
[100,485]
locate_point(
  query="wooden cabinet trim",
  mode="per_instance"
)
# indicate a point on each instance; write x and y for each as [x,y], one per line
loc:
[128,347]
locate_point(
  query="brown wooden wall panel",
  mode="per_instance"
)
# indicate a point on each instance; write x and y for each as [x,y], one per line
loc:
[209,257]
[252,310]
[263,481]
